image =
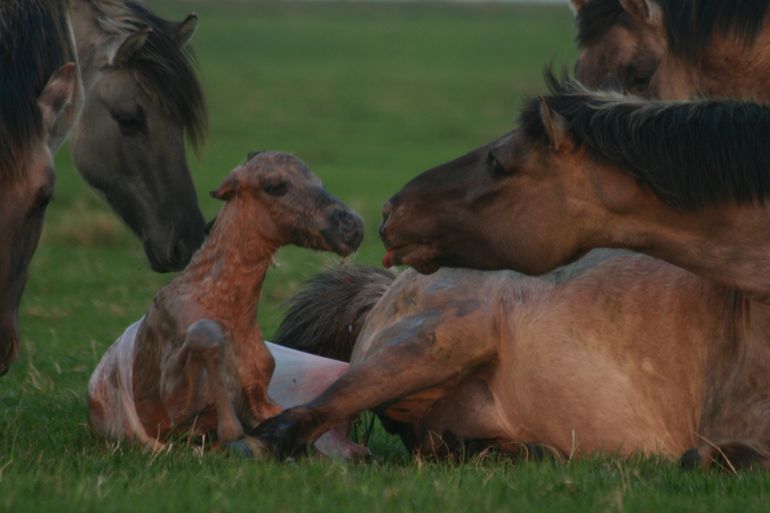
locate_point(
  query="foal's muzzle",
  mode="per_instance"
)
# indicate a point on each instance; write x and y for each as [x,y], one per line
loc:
[345,231]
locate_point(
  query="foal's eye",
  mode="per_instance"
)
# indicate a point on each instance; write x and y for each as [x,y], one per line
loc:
[44,198]
[496,168]
[131,123]
[276,188]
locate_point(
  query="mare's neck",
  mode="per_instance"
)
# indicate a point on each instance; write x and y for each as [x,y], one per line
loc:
[225,276]
[728,244]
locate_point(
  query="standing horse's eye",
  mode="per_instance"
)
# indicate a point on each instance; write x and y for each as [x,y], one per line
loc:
[496,168]
[131,123]
[276,188]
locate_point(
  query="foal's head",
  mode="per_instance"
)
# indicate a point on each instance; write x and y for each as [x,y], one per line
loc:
[289,205]
[26,188]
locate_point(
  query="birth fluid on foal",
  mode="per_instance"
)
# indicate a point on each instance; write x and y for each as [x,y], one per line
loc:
[632,355]
[197,360]
[32,108]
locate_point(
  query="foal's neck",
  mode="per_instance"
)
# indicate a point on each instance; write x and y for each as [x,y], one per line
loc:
[225,276]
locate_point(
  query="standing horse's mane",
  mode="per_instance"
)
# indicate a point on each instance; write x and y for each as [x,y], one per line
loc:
[690,154]
[165,70]
[690,24]
[34,43]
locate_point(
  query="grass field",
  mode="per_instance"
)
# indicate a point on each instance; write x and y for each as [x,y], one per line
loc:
[369,95]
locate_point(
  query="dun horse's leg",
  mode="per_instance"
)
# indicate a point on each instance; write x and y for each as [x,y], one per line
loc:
[183,395]
[419,352]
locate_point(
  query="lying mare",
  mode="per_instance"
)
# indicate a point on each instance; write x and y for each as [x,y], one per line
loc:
[675,49]
[36,91]
[630,355]
[197,360]
[141,97]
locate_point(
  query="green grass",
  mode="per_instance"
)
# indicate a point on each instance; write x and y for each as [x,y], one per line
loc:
[369,95]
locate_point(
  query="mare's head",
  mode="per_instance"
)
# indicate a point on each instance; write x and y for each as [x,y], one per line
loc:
[26,188]
[576,170]
[290,205]
[656,48]
[142,97]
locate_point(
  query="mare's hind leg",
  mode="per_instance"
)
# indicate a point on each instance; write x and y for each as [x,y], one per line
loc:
[726,456]
[184,390]
[437,347]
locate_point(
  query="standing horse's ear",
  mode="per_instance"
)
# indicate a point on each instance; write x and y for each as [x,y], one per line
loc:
[226,189]
[57,94]
[122,49]
[576,5]
[184,31]
[646,11]
[555,125]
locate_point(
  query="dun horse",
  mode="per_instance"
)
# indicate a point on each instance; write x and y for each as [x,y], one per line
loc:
[141,97]
[632,354]
[31,105]
[675,49]
[197,360]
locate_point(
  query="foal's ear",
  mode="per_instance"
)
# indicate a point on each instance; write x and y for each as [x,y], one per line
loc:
[555,125]
[611,84]
[184,31]
[576,5]
[646,11]
[226,189]
[57,94]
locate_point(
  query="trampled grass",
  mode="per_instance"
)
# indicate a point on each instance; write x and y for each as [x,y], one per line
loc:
[369,95]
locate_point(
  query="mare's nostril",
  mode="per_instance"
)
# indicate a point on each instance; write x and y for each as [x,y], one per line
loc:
[386,208]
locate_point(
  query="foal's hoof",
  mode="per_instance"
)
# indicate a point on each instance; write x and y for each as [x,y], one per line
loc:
[248,447]
[690,459]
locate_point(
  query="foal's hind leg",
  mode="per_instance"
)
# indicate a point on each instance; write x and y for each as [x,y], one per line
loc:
[726,456]
[200,360]
[419,352]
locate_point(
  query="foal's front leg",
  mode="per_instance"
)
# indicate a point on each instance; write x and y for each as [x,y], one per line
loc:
[419,352]
[200,361]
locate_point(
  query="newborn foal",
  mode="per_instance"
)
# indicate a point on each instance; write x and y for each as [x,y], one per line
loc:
[197,360]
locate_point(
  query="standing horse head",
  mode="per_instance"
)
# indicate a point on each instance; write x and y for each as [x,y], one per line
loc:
[580,170]
[665,48]
[34,105]
[142,97]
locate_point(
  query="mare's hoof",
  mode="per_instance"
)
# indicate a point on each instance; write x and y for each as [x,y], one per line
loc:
[280,435]
[248,447]
[690,459]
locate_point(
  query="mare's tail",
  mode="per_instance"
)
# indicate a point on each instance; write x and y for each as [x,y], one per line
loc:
[327,315]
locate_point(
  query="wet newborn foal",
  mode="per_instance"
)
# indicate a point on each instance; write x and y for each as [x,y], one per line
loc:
[197,360]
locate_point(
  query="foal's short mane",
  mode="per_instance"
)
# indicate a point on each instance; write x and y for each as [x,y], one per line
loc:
[166,70]
[690,154]
[34,43]
[690,24]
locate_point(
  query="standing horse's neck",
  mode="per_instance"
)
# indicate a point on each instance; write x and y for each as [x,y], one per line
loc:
[225,276]
[726,243]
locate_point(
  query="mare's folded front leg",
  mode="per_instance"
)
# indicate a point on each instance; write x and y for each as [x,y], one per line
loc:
[419,352]
[185,391]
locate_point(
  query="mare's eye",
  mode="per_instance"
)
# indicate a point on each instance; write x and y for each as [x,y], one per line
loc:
[131,123]
[276,188]
[496,168]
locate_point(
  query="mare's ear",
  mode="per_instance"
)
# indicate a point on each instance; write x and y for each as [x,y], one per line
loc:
[184,31]
[555,125]
[646,11]
[576,5]
[57,94]
[226,189]
[122,49]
